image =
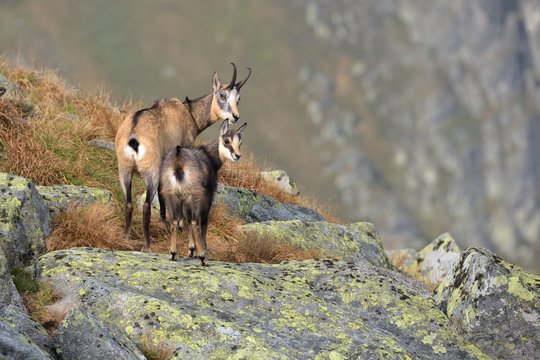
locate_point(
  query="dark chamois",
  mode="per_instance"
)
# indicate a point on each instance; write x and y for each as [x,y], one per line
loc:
[189,181]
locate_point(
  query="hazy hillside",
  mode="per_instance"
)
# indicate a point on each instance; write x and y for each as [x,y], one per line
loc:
[421,116]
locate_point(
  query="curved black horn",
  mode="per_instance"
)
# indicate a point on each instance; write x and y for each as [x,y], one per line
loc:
[241,83]
[231,84]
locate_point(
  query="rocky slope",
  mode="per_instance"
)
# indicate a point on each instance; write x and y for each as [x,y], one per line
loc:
[424,114]
[118,304]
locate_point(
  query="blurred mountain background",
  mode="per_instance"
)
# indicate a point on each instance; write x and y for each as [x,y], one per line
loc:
[421,116]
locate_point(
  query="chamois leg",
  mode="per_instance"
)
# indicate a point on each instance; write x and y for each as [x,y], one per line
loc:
[196,231]
[174,215]
[203,231]
[174,244]
[125,180]
[162,206]
[151,187]
[187,221]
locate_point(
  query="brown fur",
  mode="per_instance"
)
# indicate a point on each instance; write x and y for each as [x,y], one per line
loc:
[145,136]
[189,181]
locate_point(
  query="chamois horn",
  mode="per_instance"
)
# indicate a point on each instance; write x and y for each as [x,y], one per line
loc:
[241,83]
[231,84]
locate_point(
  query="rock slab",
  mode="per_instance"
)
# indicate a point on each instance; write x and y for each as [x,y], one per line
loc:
[303,310]
[24,220]
[494,303]
[358,243]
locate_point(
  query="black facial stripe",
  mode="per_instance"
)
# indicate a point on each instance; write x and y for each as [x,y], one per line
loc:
[229,147]
[224,105]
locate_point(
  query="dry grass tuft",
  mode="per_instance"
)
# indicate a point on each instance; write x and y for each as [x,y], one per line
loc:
[45,128]
[401,262]
[265,249]
[97,225]
[37,303]
[247,174]
[227,242]
[37,296]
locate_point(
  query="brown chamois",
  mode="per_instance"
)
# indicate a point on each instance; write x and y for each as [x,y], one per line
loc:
[145,136]
[188,184]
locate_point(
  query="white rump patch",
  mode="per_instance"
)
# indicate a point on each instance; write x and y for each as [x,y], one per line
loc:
[132,154]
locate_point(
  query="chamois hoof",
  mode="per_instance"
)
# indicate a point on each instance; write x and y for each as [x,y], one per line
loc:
[203,261]
[173,256]
[191,252]
[145,249]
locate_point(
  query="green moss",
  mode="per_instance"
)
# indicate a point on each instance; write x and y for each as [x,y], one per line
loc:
[24,281]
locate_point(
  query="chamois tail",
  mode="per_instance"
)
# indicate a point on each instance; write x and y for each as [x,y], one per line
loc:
[134,144]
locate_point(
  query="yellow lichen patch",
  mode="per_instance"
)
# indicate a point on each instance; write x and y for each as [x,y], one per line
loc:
[515,287]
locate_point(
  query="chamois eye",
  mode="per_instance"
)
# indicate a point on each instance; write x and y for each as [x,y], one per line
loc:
[227,141]
[222,96]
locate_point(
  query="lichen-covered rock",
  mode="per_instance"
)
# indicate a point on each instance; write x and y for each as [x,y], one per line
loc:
[282,180]
[304,310]
[24,335]
[254,207]
[82,336]
[438,258]
[359,243]
[57,198]
[16,346]
[6,84]
[24,220]
[496,304]
[8,292]
[20,336]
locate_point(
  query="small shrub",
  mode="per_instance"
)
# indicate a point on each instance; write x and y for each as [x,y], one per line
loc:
[36,297]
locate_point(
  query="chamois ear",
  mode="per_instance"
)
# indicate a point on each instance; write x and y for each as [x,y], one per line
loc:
[216,84]
[241,130]
[224,128]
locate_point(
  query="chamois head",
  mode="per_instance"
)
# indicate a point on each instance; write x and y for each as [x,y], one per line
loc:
[230,141]
[226,97]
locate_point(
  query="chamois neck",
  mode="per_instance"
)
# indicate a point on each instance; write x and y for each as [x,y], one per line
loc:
[212,151]
[200,110]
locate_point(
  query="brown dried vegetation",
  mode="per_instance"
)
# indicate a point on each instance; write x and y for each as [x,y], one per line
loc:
[101,226]
[45,129]
[98,225]
[37,297]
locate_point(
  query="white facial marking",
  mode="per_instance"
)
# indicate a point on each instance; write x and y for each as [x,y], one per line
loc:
[225,115]
[233,97]
[233,157]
